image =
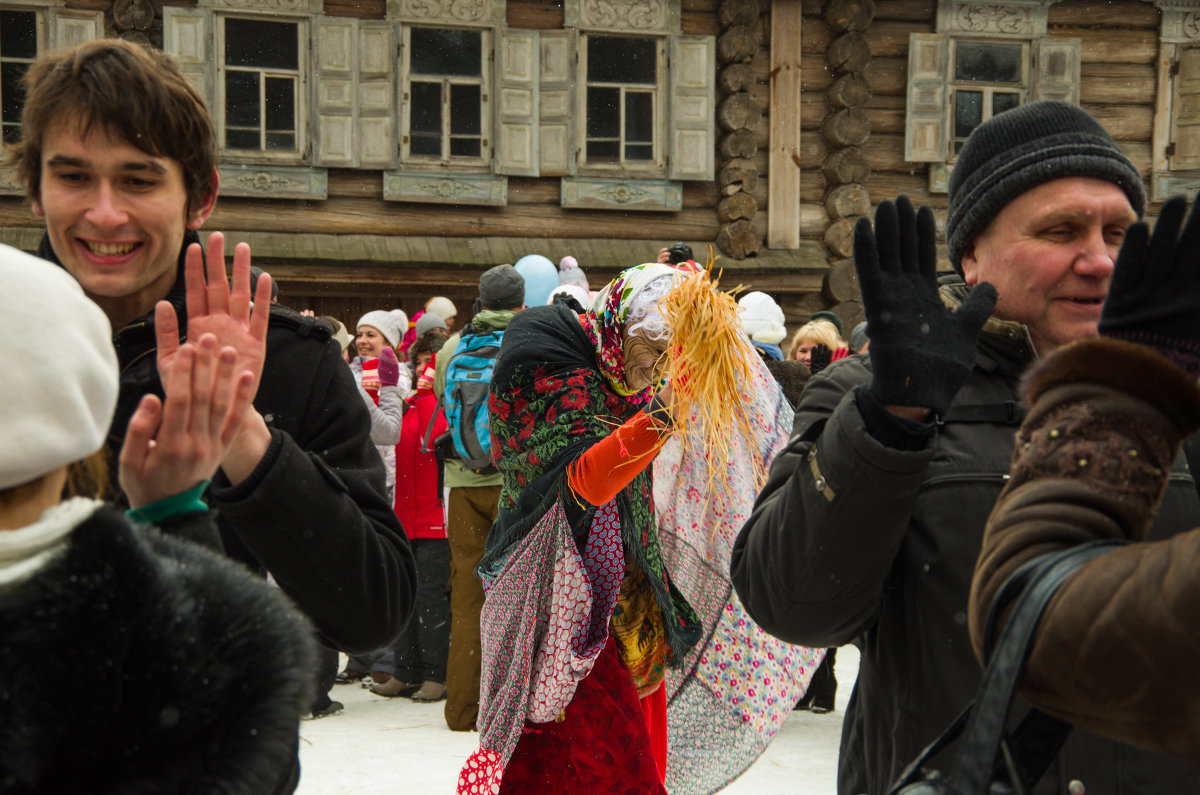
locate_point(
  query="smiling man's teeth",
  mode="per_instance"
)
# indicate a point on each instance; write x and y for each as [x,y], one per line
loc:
[110,249]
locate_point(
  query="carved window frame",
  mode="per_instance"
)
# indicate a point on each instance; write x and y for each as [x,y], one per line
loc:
[303,148]
[1050,71]
[656,165]
[451,163]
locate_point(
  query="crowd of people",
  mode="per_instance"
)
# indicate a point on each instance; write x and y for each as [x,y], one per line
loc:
[619,547]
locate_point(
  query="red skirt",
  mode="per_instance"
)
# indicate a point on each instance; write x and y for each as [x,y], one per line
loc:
[603,746]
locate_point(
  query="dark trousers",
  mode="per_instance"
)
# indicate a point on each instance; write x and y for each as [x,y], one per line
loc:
[419,654]
[327,668]
[472,511]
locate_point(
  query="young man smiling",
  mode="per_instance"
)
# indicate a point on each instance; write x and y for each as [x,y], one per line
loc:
[870,523]
[118,154]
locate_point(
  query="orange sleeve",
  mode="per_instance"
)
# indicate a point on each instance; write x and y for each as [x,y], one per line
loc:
[611,463]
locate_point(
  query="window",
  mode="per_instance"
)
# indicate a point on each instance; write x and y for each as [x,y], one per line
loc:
[445,95]
[988,78]
[261,86]
[957,82]
[622,101]
[18,48]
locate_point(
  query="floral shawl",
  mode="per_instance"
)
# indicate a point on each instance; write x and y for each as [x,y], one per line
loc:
[549,402]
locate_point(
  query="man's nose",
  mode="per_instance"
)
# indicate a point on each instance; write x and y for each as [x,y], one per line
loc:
[1096,256]
[107,209]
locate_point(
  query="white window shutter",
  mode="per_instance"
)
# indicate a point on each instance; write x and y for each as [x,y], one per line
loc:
[336,91]
[187,34]
[377,117]
[516,111]
[691,139]
[1057,69]
[1185,110]
[73,27]
[559,54]
[925,129]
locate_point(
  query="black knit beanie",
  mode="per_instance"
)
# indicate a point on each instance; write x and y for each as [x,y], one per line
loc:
[1022,148]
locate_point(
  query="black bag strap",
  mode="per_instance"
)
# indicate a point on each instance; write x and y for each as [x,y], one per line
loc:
[984,748]
[1036,581]
[425,448]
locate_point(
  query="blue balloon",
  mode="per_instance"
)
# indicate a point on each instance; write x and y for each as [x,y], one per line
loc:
[541,277]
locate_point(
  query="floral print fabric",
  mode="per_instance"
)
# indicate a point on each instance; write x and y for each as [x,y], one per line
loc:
[737,685]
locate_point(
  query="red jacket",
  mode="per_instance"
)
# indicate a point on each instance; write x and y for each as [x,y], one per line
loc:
[418,502]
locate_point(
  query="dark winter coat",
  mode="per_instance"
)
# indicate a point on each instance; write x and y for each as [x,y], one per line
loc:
[1116,650]
[854,541]
[137,663]
[315,512]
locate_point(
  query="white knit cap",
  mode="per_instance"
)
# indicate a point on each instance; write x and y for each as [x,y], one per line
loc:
[58,404]
[762,318]
[386,323]
[441,306]
[401,320]
[580,294]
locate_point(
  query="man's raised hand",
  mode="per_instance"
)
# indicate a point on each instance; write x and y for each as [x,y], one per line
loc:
[216,307]
[921,352]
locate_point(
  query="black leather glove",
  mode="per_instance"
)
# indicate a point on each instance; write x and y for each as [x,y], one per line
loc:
[921,352]
[1154,298]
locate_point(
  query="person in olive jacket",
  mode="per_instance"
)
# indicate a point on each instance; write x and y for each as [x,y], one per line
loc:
[871,520]
[118,156]
[1114,651]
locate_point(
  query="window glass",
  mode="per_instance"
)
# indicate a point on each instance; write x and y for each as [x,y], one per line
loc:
[988,63]
[639,125]
[241,99]
[18,34]
[622,59]
[447,89]
[262,85]
[426,119]
[18,47]
[455,53]
[1002,101]
[465,139]
[257,43]
[621,99]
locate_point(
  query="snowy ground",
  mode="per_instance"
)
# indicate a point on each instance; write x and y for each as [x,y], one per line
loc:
[391,744]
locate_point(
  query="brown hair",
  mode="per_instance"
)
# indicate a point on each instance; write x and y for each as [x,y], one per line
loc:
[127,90]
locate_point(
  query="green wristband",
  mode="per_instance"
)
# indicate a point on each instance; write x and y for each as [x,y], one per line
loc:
[184,502]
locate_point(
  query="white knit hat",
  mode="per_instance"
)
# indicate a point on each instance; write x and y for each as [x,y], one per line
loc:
[387,324]
[441,306]
[762,318]
[58,404]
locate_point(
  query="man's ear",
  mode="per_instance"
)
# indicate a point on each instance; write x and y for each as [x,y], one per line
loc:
[198,215]
[35,202]
[969,264]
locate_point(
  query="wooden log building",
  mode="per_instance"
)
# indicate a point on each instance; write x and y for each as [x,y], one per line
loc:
[377,152]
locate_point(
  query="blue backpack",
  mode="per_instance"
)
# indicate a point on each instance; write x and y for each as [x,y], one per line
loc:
[468,377]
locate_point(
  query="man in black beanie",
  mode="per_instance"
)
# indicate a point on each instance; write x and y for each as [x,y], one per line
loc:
[869,526]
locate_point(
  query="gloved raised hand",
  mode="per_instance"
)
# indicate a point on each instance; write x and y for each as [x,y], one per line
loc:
[822,357]
[1154,298]
[921,352]
[389,368]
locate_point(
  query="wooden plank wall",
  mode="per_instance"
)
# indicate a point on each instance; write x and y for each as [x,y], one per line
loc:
[1119,50]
